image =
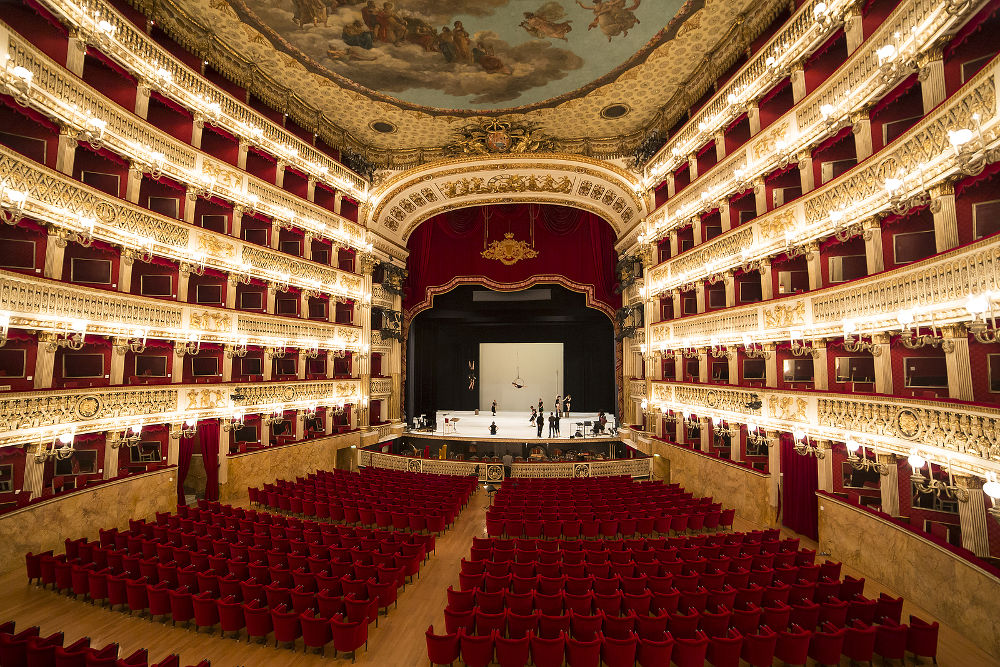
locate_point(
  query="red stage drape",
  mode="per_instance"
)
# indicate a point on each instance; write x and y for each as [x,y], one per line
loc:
[573,244]
[208,435]
[185,449]
[800,481]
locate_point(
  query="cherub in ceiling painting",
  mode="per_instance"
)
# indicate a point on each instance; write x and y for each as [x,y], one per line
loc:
[612,16]
[542,23]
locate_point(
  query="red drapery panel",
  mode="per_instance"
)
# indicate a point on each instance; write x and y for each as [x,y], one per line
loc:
[573,246]
[185,449]
[208,435]
[800,481]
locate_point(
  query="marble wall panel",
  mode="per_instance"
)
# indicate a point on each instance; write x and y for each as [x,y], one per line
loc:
[954,590]
[47,524]
[735,486]
[287,462]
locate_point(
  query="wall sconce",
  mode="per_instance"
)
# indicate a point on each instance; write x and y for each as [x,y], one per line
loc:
[757,437]
[798,345]
[238,349]
[980,307]
[93,131]
[823,17]
[186,430]
[234,422]
[725,429]
[860,344]
[276,352]
[911,338]
[311,351]
[754,350]
[201,185]
[308,412]
[72,339]
[805,448]
[719,351]
[930,485]
[242,274]
[18,82]
[60,448]
[893,63]
[992,489]
[277,416]
[12,204]
[900,205]
[191,346]
[281,282]
[862,462]
[197,267]
[129,437]
[135,344]
[285,218]
[971,160]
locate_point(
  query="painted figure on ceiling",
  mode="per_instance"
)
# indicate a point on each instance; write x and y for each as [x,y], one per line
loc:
[542,23]
[358,34]
[612,16]
[310,11]
[463,45]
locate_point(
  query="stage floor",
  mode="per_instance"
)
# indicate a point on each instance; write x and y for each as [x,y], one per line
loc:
[510,425]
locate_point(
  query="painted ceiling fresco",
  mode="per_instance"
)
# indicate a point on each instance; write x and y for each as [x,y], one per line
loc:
[466,54]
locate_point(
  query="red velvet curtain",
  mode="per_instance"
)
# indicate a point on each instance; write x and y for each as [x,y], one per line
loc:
[208,435]
[800,481]
[185,449]
[572,244]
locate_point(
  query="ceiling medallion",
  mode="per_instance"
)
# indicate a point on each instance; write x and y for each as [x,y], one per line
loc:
[494,137]
[615,111]
[383,126]
[509,251]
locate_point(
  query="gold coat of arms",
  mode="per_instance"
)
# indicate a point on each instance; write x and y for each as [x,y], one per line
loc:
[509,251]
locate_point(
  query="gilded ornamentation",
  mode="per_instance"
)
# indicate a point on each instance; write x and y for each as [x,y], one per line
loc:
[207,399]
[788,408]
[776,225]
[785,316]
[211,321]
[508,251]
[908,423]
[769,144]
[505,183]
[494,136]
[212,245]
[227,178]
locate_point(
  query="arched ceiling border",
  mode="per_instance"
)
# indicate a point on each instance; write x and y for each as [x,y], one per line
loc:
[401,204]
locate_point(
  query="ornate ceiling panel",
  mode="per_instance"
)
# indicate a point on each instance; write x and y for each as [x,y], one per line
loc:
[514,60]
[399,205]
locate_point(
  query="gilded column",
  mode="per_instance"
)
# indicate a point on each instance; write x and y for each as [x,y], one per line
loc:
[275,234]
[730,280]
[311,188]
[883,363]
[66,150]
[872,233]
[675,295]
[733,357]
[268,363]
[45,360]
[889,484]
[693,165]
[724,215]
[766,281]
[272,293]
[117,372]
[705,432]
[338,200]
[111,449]
[241,154]
[771,365]
[696,230]
[34,473]
[183,279]
[197,131]
[798,77]
[931,77]
[862,135]
[972,514]
[125,265]
[957,362]
[671,185]
[678,366]
[774,471]
[177,365]
[307,246]
[300,365]
[142,102]
[807,178]
[821,371]
[367,266]
[232,281]
[55,251]
[760,195]
[824,466]
[300,425]
[76,53]
[703,364]
[853,30]
[133,183]
[720,145]
[753,117]
[190,201]
[279,174]
[699,295]
[227,362]
[237,226]
[814,266]
[945,216]
[674,243]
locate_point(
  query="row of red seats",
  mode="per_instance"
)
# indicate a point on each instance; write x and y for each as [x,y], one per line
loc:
[343,510]
[858,642]
[29,648]
[624,526]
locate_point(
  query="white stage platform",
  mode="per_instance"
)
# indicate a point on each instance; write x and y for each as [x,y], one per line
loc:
[510,425]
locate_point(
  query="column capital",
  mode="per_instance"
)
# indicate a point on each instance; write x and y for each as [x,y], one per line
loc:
[969,482]
[942,189]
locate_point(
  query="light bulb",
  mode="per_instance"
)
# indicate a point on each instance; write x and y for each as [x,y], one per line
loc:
[23,73]
[893,184]
[136,428]
[799,435]
[905,317]
[887,52]
[916,461]
[959,137]
[820,8]
[992,489]
[66,438]
[853,445]
[976,304]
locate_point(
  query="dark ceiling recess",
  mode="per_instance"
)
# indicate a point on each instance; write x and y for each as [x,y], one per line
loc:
[382,126]
[615,111]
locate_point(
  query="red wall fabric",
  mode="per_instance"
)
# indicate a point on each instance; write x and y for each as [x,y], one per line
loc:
[208,435]
[573,246]
[799,482]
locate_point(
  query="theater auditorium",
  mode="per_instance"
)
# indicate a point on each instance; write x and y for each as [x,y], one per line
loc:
[495,333]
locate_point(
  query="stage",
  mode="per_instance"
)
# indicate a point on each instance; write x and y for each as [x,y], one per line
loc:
[510,426]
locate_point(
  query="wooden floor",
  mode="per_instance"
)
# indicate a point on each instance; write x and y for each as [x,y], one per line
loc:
[397,642]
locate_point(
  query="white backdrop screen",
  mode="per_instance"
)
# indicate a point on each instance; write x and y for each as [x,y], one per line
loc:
[540,366]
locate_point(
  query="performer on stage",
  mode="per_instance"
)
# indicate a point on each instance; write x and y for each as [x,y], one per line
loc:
[493,428]
[601,421]
[552,425]
[557,423]
[534,416]
[541,422]
[566,405]
[494,408]
[558,405]
[541,406]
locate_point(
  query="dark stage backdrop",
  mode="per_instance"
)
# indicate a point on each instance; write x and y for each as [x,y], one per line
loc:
[573,247]
[444,339]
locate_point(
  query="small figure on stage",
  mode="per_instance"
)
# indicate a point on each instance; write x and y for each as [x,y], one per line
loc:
[558,405]
[534,415]
[557,423]
[541,406]
[494,408]
[493,428]
[517,385]
[566,405]
[552,425]
[541,422]
[602,419]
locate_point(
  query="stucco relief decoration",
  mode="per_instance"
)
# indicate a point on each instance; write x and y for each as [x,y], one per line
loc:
[581,470]
[785,316]
[213,246]
[498,137]
[494,472]
[208,399]
[505,184]
[509,251]
[776,225]
[209,321]
[788,408]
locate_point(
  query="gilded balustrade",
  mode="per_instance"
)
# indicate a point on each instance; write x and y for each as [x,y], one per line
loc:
[853,86]
[965,435]
[924,155]
[493,472]
[32,417]
[148,62]
[56,93]
[64,202]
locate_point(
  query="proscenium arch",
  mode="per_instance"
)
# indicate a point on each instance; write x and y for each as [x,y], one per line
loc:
[398,206]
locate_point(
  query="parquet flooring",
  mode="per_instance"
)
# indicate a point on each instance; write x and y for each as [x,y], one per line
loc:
[397,642]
